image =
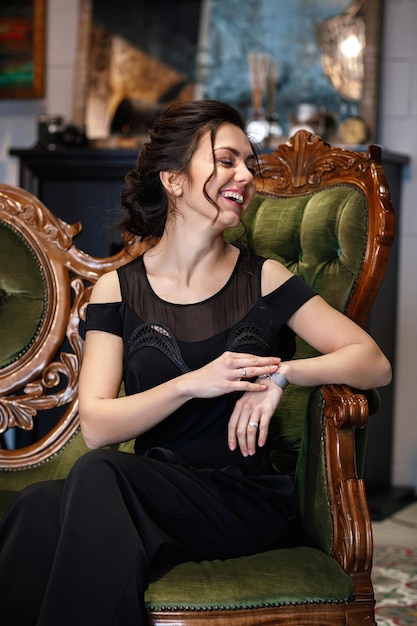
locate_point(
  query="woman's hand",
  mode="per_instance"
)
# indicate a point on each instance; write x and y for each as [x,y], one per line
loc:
[230,372]
[249,422]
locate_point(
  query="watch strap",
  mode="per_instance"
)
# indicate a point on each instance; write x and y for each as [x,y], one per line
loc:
[279,379]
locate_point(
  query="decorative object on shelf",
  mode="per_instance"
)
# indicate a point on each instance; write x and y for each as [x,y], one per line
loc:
[275,128]
[301,119]
[49,131]
[318,121]
[22,44]
[134,116]
[353,131]
[257,125]
[54,133]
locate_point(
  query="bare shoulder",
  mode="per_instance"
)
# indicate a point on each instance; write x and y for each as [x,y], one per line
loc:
[274,274]
[106,289]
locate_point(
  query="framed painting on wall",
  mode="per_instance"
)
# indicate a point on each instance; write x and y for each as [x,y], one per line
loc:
[22,48]
[139,56]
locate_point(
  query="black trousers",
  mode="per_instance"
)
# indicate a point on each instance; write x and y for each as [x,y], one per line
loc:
[80,552]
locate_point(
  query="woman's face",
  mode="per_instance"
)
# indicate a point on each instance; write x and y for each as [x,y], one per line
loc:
[228,166]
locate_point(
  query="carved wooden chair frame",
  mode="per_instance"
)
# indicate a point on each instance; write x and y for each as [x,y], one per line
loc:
[41,379]
[303,165]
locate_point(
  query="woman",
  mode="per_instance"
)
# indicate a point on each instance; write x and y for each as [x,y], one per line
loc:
[202,335]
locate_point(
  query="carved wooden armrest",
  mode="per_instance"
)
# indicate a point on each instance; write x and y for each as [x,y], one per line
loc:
[347,408]
[344,411]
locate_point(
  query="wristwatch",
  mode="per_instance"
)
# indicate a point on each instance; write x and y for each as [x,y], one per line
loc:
[279,379]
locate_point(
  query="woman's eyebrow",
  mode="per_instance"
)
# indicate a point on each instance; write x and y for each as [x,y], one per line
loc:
[249,157]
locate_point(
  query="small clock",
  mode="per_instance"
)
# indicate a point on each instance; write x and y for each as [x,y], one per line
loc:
[353,130]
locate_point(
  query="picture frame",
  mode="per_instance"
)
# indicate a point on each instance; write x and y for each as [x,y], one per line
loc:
[22,49]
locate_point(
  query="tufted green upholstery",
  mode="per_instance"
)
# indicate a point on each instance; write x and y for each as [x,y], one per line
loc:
[22,295]
[312,235]
[320,236]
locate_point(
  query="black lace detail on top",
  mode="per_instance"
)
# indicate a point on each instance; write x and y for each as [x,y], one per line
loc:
[161,338]
[247,334]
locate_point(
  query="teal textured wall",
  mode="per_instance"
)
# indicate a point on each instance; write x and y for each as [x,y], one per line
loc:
[287,31]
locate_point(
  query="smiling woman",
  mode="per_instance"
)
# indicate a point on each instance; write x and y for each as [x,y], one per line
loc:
[224,170]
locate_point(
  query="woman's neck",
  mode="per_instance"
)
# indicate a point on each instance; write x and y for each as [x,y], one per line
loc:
[183,271]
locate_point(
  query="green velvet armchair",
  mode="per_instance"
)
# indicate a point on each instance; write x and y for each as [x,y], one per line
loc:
[324,212]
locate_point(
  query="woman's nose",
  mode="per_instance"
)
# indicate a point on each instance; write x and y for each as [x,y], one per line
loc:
[243,173]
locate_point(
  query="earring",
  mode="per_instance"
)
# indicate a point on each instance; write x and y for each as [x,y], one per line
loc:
[177,192]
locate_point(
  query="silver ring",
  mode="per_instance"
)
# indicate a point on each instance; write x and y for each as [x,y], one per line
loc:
[243,372]
[254,424]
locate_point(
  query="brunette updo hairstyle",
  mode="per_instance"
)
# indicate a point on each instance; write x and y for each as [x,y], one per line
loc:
[174,138]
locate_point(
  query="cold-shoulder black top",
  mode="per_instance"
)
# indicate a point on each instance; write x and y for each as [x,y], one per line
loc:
[163,340]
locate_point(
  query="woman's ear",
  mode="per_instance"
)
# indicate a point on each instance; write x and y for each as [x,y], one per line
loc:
[172,183]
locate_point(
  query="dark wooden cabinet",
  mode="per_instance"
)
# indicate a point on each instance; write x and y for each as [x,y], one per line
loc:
[80,185]
[85,185]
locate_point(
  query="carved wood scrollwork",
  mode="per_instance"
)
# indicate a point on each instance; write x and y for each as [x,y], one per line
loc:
[58,384]
[344,412]
[35,215]
[354,550]
[46,376]
[346,408]
[304,163]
